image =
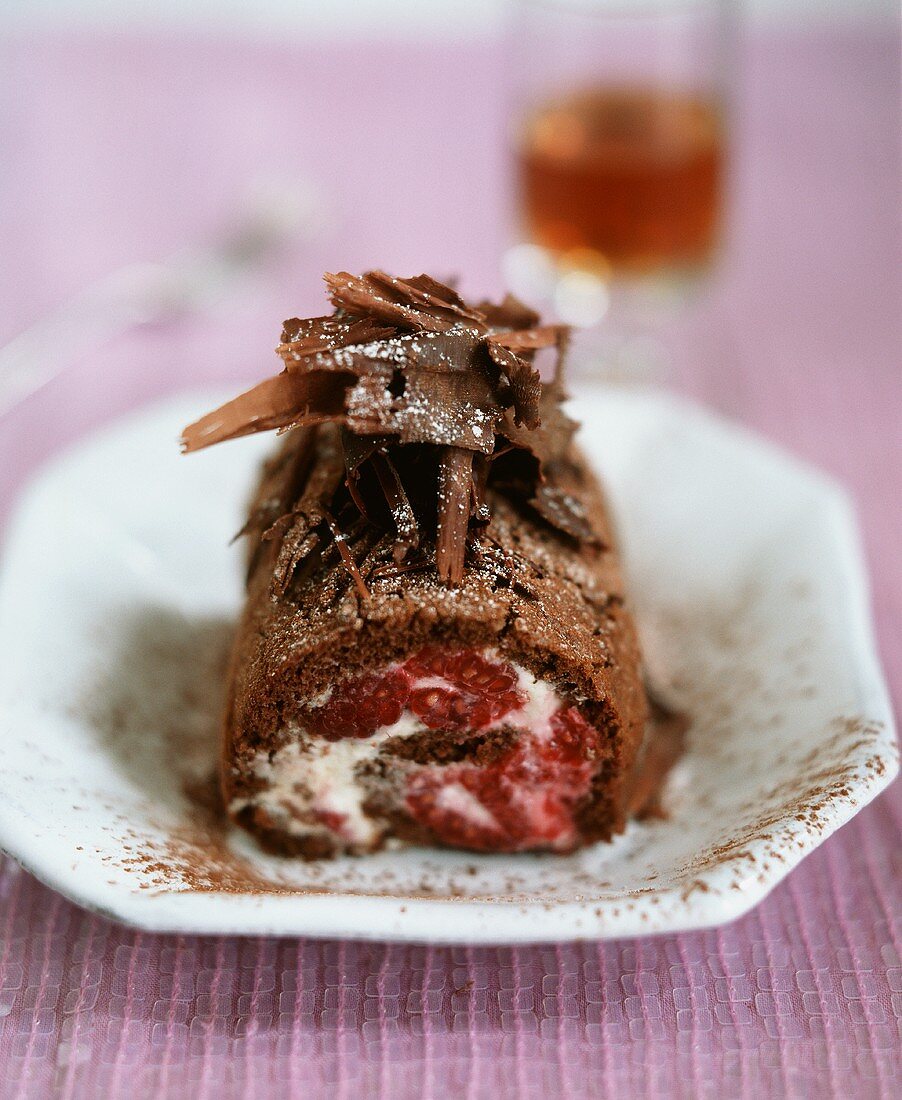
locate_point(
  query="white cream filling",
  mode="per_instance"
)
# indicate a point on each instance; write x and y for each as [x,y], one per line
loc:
[309,775]
[456,799]
[541,703]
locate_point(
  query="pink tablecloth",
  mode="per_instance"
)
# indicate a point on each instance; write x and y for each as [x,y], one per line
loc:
[125,149]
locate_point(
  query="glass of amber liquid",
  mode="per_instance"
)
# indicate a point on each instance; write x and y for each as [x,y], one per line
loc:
[619,154]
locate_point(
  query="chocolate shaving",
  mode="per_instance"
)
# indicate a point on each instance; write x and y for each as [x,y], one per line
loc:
[298,545]
[341,544]
[455,482]
[401,511]
[523,379]
[438,405]
[509,313]
[281,402]
[388,570]
[357,449]
[528,339]
[409,303]
[552,442]
[302,535]
[301,339]
[564,512]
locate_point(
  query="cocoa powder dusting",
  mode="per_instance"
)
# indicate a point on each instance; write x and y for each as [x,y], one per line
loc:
[157,713]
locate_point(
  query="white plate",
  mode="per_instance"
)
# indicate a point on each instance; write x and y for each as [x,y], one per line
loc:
[114,606]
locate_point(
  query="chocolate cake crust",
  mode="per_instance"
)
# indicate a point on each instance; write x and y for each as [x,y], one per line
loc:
[553,605]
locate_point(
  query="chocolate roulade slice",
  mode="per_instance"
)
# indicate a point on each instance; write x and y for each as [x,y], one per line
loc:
[435,645]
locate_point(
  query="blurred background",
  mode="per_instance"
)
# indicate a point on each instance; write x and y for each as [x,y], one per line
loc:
[381,132]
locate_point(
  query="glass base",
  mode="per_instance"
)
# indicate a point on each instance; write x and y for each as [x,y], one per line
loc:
[619,322]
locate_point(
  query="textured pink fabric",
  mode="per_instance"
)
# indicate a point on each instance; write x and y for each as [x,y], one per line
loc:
[127,149]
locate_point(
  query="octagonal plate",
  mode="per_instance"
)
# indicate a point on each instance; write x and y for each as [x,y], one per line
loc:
[116,600]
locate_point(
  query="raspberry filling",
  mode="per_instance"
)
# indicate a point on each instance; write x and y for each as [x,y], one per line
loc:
[524,798]
[361,706]
[458,690]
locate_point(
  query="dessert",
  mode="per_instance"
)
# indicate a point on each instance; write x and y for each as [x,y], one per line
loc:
[435,646]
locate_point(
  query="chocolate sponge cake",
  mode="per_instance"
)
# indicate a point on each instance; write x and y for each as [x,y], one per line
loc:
[435,645]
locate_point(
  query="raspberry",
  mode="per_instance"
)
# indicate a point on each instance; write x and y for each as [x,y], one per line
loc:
[358,707]
[424,802]
[332,820]
[441,709]
[572,741]
[472,692]
[522,801]
[476,692]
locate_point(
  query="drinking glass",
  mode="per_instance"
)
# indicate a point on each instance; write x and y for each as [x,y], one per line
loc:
[619,148]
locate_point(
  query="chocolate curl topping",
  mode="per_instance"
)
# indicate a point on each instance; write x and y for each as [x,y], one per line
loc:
[341,544]
[402,512]
[281,402]
[455,493]
[427,391]
[416,303]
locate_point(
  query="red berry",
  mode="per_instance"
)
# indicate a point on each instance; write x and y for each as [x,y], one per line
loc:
[475,690]
[460,830]
[524,800]
[572,741]
[332,820]
[358,707]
